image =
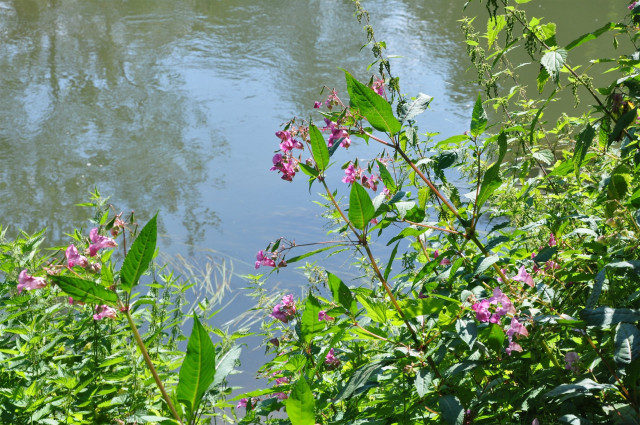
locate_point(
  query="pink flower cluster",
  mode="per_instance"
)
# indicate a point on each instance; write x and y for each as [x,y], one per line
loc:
[74,258]
[515,328]
[351,174]
[331,360]
[444,261]
[28,282]
[103,311]
[266,259]
[378,86]
[322,315]
[493,308]
[286,310]
[285,162]
[337,134]
[98,242]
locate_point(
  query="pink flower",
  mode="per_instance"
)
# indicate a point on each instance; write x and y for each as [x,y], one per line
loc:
[552,240]
[504,272]
[513,346]
[317,104]
[493,308]
[371,182]
[632,5]
[288,143]
[551,265]
[351,174]
[28,282]
[275,342]
[517,328]
[72,301]
[502,301]
[242,403]
[286,310]
[98,242]
[286,164]
[281,396]
[337,134]
[73,257]
[117,225]
[265,259]
[524,277]
[331,359]
[322,315]
[482,310]
[283,380]
[378,86]
[572,358]
[445,262]
[103,311]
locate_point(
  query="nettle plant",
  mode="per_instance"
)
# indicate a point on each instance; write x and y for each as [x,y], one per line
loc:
[516,302]
[69,341]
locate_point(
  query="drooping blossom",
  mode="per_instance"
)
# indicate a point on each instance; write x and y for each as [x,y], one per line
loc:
[284,311]
[378,86]
[28,282]
[513,346]
[286,164]
[370,182]
[517,328]
[351,174]
[493,308]
[322,315]
[552,240]
[445,262]
[332,99]
[74,258]
[275,342]
[281,396]
[632,5]
[95,267]
[551,265]
[98,242]
[317,104]
[331,359]
[337,134]
[572,358]
[283,380]
[288,143]
[72,301]
[103,311]
[118,225]
[524,277]
[386,192]
[265,259]
[242,403]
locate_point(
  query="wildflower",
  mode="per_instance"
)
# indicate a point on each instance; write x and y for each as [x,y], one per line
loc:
[74,258]
[242,403]
[535,422]
[103,311]
[117,225]
[95,267]
[322,315]
[283,380]
[504,272]
[552,240]
[386,192]
[632,5]
[482,311]
[281,396]
[317,104]
[337,134]
[370,182]
[500,299]
[351,174]
[331,359]
[513,346]
[572,358]
[445,262]
[524,277]
[288,142]
[378,86]
[486,313]
[28,282]
[551,265]
[517,328]
[99,242]
[263,259]
[72,301]
[284,311]
[286,164]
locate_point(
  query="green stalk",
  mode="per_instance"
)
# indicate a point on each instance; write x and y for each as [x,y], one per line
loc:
[147,360]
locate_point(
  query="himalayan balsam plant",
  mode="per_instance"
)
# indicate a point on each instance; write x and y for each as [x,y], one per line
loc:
[512,298]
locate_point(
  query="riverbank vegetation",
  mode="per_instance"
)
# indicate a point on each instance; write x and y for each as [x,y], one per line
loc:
[508,292]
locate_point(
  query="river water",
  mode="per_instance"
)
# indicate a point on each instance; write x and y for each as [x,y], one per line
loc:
[171,107]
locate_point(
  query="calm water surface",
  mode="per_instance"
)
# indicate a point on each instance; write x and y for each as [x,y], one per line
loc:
[171,106]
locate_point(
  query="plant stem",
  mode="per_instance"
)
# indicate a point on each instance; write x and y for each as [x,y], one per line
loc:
[149,363]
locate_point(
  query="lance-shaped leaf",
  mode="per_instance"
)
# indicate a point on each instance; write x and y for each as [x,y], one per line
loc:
[623,122]
[361,209]
[627,343]
[85,291]
[591,35]
[319,148]
[372,106]
[583,142]
[140,255]
[452,411]
[387,178]
[300,404]
[310,323]
[491,180]
[478,118]
[341,293]
[198,368]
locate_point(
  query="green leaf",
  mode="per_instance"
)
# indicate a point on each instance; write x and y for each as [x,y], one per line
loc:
[359,378]
[416,107]
[225,365]
[553,61]
[139,256]
[467,330]
[452,410]
[627,344]
[309,254]
[491,180]
[583,142]
[300,404]
[376,310]
[578,388]
[545,254]
[421,307]
[623,122]
[310,323]
[423,381]
[483,263]
[341,293]
[85,291]
[361,209]
[543,77]
[591,35]
[309,171]
[604,317]
[387,269]
[319,148]
[372,106]
[198,368]
[494,26]
[494,335]
[478,118]
[387,178]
